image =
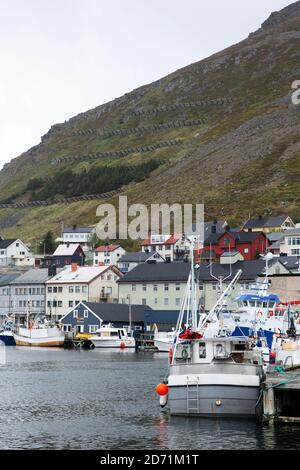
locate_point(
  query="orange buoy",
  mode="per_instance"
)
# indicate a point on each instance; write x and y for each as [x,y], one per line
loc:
[122,345]
[162,390]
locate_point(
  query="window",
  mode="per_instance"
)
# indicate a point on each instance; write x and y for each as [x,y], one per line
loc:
[295,252]
[246,250]
[201,287]
[133,287]
[49,289]
[177,286]
[85,314]
[59,303]
[155,301]
[166,301]
[93,328]
[84,289]
[60,289]
[71,289]
[77,289]
[215,286]
[77,302]
[70,303]
[75,314]
[202,351]
[55,289]
[144,287]
[144,301]
[109,277]
[177,302]
[166,287]
[67,328]
[155,288]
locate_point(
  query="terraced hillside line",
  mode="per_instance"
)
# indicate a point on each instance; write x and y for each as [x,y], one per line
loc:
[117,153]
[179,106]
[141,129]
[67,200]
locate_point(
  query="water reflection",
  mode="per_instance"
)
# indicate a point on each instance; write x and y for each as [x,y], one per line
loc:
[106,400]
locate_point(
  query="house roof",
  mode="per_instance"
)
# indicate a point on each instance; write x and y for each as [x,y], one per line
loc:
[6,243]
[66,249]
[250,269]
[117,312]
[82,274]
[137,257]
[144,272]
[33,276]
[239,237]
[75,229]
[290,262]
[170,241]
[7,277]
[262,222]
[205,228]
[107,248]
[228,254]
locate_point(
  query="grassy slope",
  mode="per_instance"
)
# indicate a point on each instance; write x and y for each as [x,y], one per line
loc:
[227,168]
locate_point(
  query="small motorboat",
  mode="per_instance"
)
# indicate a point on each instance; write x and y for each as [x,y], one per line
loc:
[163,340]
[110,337]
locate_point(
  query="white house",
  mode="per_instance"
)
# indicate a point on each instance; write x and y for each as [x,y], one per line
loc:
[132,259]
[13,251]
[81,283]
[289,243]
[77,234]
[108,254]
[170,247]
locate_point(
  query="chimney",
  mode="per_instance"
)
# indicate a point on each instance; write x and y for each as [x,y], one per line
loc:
[74,267]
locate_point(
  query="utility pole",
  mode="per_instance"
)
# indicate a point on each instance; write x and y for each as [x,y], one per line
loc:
[129,312]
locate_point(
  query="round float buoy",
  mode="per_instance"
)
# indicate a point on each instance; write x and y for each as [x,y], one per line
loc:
[272,357]
[162,389]
[122,345]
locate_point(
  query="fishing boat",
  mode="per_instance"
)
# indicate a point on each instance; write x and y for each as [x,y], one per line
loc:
[212,373]
[163,340]
[110,337]
[6,334]
[40,335]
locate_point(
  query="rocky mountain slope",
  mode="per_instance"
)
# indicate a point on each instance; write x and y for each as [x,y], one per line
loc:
[222,130]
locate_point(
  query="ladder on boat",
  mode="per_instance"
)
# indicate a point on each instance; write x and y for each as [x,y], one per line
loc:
[192,396]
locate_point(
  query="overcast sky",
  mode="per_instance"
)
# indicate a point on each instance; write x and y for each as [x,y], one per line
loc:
[61,57]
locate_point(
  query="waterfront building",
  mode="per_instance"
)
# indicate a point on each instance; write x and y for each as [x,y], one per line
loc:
[87,317]
[162,285]
[81,283]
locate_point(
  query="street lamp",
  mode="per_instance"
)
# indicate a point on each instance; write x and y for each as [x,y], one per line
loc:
[129,312]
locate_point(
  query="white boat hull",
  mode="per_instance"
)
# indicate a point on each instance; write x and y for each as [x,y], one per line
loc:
[41,337]
[163,346]
[112,343]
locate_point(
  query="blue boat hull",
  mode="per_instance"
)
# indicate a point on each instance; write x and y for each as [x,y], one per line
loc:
[8,340]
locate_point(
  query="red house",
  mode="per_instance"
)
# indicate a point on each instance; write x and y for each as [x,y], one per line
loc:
[248,244]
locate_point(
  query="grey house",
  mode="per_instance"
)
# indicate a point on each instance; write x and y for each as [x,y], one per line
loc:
[7,276]
[87,317]
[129,261]
[28,292]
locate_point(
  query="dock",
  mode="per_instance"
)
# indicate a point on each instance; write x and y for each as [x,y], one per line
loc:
[281,395]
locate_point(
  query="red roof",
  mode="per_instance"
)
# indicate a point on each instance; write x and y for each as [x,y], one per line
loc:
[170,241]
[107,248]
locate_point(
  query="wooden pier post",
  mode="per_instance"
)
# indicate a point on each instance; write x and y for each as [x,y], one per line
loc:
[269,409]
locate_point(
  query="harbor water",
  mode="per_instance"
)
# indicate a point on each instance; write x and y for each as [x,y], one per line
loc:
[67,399]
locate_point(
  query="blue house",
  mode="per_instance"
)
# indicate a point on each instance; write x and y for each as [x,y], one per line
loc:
[87,317]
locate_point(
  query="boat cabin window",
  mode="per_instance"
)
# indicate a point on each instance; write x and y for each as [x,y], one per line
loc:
[202,351]
[245,303]
[271,304]
[121,333]
[265,304]
[252,303]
